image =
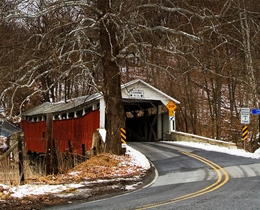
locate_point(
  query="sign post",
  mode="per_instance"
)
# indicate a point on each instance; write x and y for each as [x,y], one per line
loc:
[171,106]
[257,112]
[245,120]
[244,134]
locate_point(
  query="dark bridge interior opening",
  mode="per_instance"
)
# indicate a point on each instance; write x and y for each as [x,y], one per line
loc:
[141,119]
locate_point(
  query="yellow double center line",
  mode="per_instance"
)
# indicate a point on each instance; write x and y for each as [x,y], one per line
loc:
[219,182]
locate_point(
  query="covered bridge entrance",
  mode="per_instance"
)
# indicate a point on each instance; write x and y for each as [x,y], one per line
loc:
[146,113]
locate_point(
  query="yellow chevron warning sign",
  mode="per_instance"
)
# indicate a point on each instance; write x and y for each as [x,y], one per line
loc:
[123,135]
[244,132]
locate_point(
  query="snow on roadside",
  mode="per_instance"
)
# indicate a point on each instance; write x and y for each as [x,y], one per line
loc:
[30,189]
[257,152]
[138,160]
[209,147]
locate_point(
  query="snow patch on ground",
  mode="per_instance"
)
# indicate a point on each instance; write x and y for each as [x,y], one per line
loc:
[209,147]
[257,152]
[138,158]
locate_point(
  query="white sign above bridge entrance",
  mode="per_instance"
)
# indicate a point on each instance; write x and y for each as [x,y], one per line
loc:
[136,93]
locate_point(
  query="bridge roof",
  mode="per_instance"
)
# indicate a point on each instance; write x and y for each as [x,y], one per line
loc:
[136,93]
[140,90]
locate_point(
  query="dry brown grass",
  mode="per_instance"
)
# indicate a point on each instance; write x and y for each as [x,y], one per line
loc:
[103,166]
[9,174]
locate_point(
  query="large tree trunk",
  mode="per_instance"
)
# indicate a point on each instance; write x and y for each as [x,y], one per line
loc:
[112,81]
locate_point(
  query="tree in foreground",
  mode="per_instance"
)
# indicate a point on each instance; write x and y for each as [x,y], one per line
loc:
[68,41]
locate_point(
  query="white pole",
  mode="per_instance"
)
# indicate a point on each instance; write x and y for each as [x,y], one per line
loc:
[102,111]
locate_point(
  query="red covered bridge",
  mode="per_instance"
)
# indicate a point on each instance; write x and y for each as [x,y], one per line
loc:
[74,122]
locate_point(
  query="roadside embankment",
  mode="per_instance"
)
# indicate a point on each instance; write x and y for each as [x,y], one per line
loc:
[181,136]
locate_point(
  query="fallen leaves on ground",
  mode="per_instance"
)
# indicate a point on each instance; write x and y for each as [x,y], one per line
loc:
[103,166]
[104,174]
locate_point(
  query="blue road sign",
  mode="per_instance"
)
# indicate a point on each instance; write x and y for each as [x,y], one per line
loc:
[256,111]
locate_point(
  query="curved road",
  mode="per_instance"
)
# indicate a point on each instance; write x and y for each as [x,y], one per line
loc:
[190,178]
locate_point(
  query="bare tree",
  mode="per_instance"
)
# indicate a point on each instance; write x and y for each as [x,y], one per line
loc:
[94,38]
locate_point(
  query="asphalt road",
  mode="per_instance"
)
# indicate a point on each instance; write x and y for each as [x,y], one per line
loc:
[190,178]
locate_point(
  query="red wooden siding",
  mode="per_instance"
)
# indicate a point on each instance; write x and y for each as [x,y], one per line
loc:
[33,133]
[78,130]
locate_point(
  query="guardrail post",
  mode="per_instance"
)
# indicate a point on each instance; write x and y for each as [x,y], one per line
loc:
[123,140]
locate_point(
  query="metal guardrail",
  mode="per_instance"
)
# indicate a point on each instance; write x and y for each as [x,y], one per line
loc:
[181,136]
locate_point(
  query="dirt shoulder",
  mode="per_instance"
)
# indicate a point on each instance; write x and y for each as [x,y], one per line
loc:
[92,192]
[104,176]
